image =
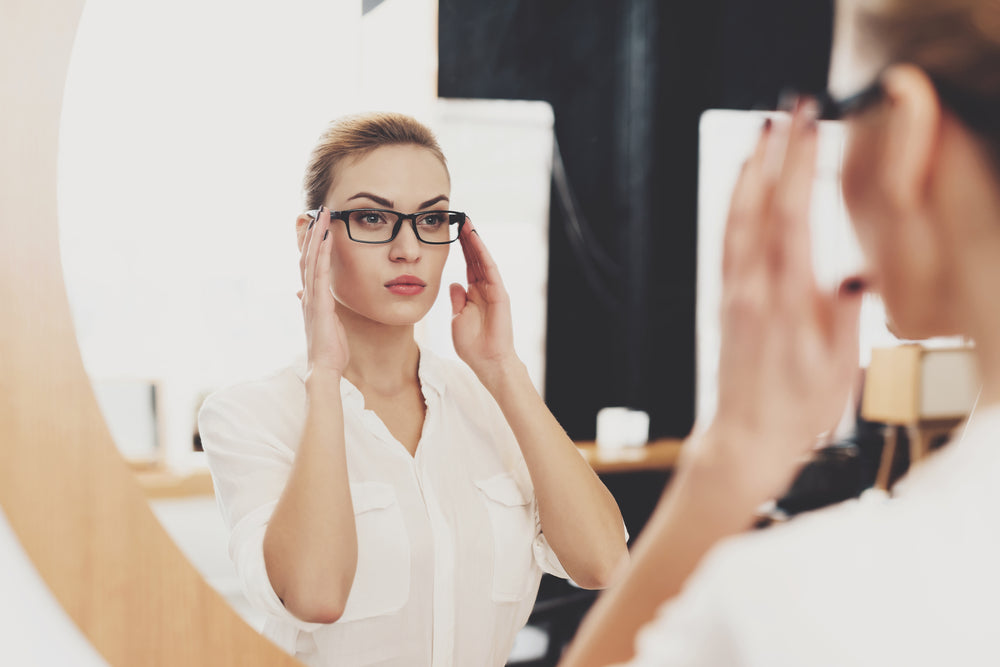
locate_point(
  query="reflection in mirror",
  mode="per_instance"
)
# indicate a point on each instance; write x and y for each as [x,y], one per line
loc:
[185,132]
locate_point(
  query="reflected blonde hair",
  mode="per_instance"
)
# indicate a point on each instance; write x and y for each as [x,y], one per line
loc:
[352,137]
[956,42]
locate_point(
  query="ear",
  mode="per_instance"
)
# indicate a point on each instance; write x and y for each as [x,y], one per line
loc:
[301,226]
[912,133]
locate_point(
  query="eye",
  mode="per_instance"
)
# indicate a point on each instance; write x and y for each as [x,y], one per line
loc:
[369,218]
[432,219]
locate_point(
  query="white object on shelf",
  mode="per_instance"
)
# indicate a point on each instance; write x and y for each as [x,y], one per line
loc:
[622,427]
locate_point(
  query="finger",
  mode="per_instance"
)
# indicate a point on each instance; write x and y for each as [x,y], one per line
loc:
[793,194]
[318,230]
[743,226]
[473,272]
[487,268]
[305,250]
[849,298]
[458,298]
[323,259]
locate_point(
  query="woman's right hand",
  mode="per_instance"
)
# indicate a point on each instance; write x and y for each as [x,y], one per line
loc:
[789,353]
[326,340]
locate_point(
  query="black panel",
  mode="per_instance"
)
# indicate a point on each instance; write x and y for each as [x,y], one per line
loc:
[627,96]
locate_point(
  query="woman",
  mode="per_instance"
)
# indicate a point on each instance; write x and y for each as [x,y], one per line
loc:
[909,581]
[386,506]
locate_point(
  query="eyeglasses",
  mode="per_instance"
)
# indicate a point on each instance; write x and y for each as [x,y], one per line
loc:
[377,225]
[832,108]
[974,110]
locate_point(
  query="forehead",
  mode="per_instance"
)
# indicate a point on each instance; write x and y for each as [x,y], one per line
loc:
[400,173]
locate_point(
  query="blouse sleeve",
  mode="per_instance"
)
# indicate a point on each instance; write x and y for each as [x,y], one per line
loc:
[250,466]
[544,555]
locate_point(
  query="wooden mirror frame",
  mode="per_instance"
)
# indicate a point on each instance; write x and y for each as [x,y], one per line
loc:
[68,495]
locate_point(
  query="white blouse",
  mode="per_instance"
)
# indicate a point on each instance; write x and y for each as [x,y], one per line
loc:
[450,549]
[909,581]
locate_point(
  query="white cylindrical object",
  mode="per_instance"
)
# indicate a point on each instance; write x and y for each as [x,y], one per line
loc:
[622,427]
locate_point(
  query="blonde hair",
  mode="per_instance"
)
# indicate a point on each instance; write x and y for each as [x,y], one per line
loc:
[956,42]
[351,137]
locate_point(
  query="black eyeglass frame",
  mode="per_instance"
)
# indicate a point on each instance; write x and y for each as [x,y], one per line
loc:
[977,113]
[454,217]
[832,108]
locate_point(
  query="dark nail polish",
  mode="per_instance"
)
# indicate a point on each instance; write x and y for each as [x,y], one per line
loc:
[852,286]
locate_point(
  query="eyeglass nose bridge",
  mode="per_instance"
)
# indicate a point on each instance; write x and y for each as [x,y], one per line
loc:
[400,218]
[412,217]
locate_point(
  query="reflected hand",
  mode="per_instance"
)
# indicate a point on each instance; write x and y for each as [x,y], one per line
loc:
[481,323]
[789,351]
[326,340]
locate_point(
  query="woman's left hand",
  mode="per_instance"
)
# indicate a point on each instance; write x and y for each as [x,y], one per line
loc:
[481,323]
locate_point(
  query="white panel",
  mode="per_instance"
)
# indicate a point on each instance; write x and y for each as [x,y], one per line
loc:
[949,383]
[500,156]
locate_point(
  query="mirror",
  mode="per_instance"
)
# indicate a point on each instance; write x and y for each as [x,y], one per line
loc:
[89,562]
[185,132]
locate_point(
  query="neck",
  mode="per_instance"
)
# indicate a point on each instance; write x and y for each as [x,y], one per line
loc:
[977,264]
[384,357]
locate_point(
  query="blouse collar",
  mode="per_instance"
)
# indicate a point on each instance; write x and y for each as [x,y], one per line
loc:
[430,371]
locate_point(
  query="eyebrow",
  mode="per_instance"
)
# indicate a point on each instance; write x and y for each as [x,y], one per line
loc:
[382,201]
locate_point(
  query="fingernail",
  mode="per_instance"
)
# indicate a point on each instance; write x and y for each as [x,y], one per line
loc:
[809,109]
[787,100]
[852,286]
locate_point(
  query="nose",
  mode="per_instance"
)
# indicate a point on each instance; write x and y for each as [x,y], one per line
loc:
[406,247]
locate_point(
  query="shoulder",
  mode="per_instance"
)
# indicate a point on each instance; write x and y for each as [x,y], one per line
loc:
[278,387]
[838,583]
[835,548]
[275,403]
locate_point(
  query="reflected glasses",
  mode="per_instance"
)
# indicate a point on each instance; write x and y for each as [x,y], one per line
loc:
[832,108]
[379,225]
[977,112]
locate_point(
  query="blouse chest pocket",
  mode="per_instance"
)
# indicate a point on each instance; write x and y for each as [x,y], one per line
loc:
[513,521]
[382,578]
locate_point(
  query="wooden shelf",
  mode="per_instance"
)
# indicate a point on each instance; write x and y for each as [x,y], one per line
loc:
[158,482]
[656,455]
[161,483]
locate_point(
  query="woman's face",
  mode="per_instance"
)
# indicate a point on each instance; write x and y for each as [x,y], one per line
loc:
[393,283]
[900,242]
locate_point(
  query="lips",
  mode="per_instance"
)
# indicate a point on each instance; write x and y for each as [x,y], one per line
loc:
[406,285]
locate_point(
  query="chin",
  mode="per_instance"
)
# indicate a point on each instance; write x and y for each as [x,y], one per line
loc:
[919,326]
[397,315]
